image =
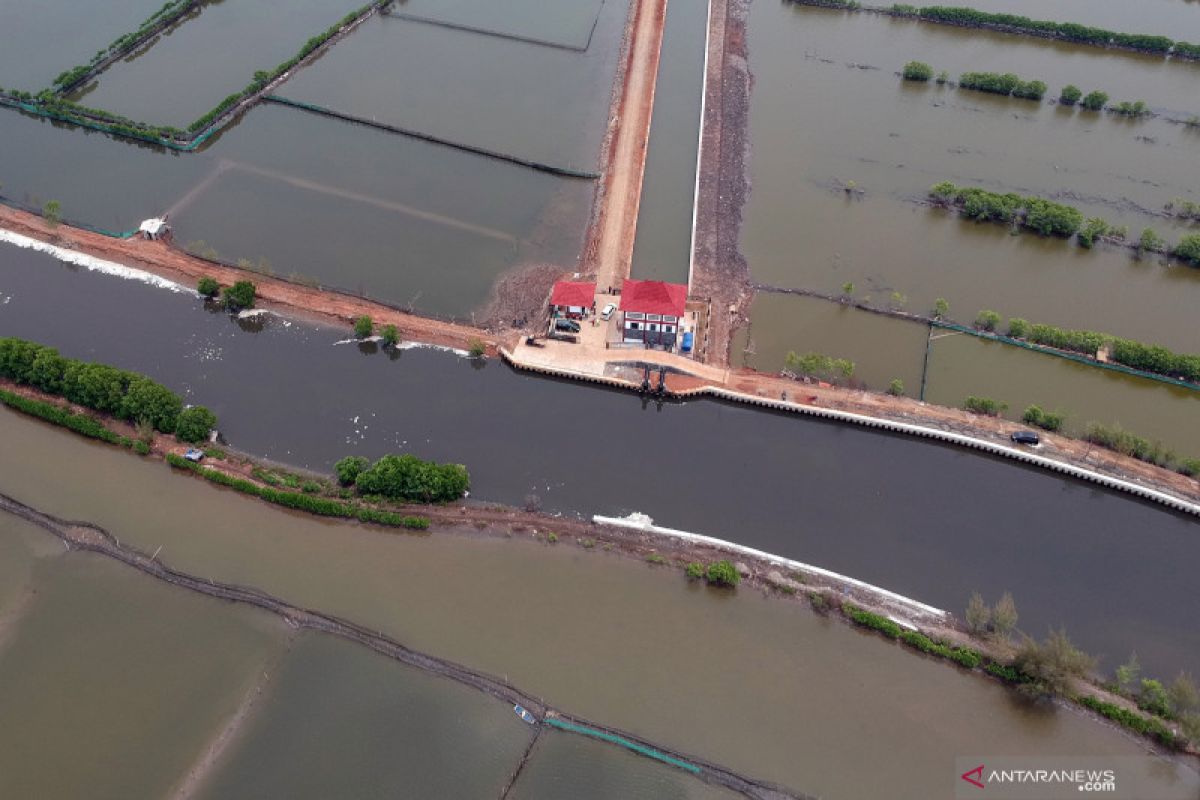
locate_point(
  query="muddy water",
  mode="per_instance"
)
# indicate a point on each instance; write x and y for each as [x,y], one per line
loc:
[661,249]
[827,109]
[1178,19]
[405,221]
[899,506]
[568,22]
[962,365]
[543,104]
[342,721]
[797,695]
[40,40]
[563,765]
[212,52]
[880,347]
[112,683]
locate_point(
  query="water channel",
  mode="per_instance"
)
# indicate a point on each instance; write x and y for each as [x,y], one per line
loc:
[931,522]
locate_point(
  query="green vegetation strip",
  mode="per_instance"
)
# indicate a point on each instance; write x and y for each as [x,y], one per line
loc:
[963,656]
[321,506]
[649,752]
[52,105]
[1013,23]
[108,390]
[57,415]
[1128,357]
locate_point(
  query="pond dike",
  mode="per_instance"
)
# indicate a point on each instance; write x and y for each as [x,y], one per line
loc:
[84,536]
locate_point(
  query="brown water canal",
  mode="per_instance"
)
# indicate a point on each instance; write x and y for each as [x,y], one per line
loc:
[797,696]
[931,522]
[828,108]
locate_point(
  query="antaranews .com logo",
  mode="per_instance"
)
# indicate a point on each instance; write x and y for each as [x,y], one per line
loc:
[1084,780]
[1065,777]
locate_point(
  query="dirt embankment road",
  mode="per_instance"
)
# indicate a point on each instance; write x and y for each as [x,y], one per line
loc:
[609,250]
[170,263]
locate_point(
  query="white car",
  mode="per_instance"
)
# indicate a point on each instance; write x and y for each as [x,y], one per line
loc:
[608,311]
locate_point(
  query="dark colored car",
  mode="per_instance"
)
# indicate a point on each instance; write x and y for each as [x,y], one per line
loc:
[1026,437]
[568,325]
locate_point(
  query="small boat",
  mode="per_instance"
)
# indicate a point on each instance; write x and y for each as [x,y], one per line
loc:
[521,712]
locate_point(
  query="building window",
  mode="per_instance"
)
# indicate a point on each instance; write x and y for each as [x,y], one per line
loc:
[669,318]
[635,325]
[654,317]
[634,315]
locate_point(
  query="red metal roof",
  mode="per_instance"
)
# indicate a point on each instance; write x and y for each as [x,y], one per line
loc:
[573,293]
[654,297]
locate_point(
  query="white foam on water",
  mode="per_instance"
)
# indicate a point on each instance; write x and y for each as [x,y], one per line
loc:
[92,263]
[425,346]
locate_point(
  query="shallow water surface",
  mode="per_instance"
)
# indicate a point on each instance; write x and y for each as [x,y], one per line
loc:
[113,683]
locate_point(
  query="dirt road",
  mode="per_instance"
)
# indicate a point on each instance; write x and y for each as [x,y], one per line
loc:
[611,249]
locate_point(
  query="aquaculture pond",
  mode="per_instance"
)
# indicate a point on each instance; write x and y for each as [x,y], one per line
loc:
[211,52]
[404,221]
[544,104]
[963,365]
[39,40]
[111,684]
[342,721]
[928,521]
[569,23]
[550,618]
[881,348]
[843,153]
[662,247]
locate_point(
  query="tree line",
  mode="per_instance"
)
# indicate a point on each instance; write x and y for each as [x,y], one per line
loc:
[108,390]
[403,477]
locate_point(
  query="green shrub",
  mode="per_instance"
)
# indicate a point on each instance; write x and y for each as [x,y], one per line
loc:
[1049,218]
[1006,672]
[476,348]
[1017,327]
[987,320]
[363,327]
[694,570]
[722,573]
[1152,697]
[896,387]
[349,468]
[1094,228]
[194,424]
[407,477]
[1030,90]
[1189,467]
[208,287]
[985,406]
[1070,95]
[79,423]
[1188,249]
[1094,101]
[656,558]
[1047,420]
[1128,109]
[391,336]
[992,82]
[239,296]
[917,71]
[819,366]
[1122,441]
[1147,726]
[141,448]
[872,621]
[310,487]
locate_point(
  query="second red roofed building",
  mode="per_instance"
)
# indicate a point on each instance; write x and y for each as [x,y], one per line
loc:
[651,311]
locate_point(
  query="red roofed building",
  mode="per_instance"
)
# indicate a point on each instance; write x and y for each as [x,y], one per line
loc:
[652,310]
[572,298]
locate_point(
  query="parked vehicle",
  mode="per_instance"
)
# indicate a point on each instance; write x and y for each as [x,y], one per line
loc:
[567,325]
[1026,437]
[194,455]
[608,311]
